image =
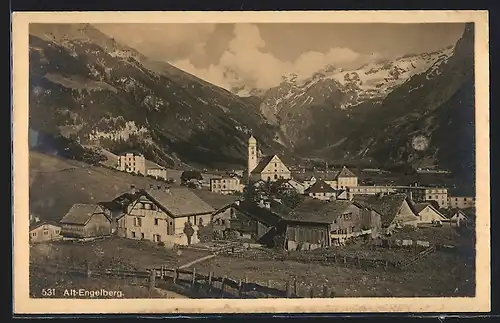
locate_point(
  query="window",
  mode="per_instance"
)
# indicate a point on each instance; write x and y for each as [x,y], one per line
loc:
[436,197]
[138,222]
[33,234]
[157,221]
[142,235]
[133,234]
[57,231]
[456,199]
[45,232]
[157,238]
[465,199]
[223,222]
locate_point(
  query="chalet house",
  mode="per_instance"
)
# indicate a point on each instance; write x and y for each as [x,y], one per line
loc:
[44,231]
[428,213]
[161,214]
[458,217]
[224,208]
[396,210]
[321,190]
[259,220]
[317,223]
[86,221]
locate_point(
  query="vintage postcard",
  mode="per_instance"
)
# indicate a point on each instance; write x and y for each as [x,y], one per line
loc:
[251,162]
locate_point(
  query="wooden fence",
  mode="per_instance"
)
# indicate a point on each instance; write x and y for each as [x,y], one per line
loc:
[357,261]
[195,284]
[225,287]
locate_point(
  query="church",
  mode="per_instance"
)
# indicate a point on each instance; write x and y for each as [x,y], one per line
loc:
[266,168]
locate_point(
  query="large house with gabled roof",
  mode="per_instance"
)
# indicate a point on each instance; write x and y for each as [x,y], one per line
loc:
[321,190]
[160,214]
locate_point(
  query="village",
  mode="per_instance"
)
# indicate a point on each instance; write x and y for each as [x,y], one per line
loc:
[270,222]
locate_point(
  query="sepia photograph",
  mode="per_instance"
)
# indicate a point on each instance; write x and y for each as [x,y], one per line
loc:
[188,159]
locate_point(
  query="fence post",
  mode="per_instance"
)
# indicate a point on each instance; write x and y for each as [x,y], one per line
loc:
[209,281]
[87,269]
[193,280]
[152,278]
[358,261]
[325,291]
[311,291]
[222,286]
[288,289]
[295,286]
[174,279]
[345,259]
[240,288]
[386,264]
[334,258]
[268,285]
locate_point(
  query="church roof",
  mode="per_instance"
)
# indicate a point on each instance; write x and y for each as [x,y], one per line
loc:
[262,164]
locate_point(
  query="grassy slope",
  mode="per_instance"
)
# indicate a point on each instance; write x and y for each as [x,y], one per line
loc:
[56,184]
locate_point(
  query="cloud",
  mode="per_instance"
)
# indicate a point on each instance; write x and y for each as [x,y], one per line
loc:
[246,62]
[170,41]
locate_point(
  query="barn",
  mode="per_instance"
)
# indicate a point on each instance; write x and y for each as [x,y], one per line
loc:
[86,221]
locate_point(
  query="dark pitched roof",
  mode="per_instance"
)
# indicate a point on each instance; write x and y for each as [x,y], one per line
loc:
[387,206]
[345,172]
[179,202]
[215,200]
[420,206]
[269,217]
[317,211]
[326,176]
[320,186]
[262,164]
[81,214]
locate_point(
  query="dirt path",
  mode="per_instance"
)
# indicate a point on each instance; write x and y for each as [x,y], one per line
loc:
[196,261]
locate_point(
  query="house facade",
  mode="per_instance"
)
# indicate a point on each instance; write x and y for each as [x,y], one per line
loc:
[156,171]
[369,190]
[44,232]
[421,194]
[132,163]
[321,190]
[86,221]
[461,202]
[428,213]
[226,185]
[160,215]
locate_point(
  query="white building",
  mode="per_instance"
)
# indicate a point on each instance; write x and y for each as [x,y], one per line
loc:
[155,170]
[226,185]
[266,168]
[461,202]
[132,163]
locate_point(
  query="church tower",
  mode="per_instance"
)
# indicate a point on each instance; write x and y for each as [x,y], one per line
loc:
[252,154]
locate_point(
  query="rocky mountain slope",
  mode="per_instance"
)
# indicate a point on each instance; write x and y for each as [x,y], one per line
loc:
[437,105]
[87,87]
[299,105]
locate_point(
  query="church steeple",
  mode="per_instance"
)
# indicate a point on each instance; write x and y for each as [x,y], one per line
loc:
[252,154]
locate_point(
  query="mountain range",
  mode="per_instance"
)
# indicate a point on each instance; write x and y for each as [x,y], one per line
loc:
[88,87]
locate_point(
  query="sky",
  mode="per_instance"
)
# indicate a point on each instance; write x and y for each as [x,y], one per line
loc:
[258,55]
